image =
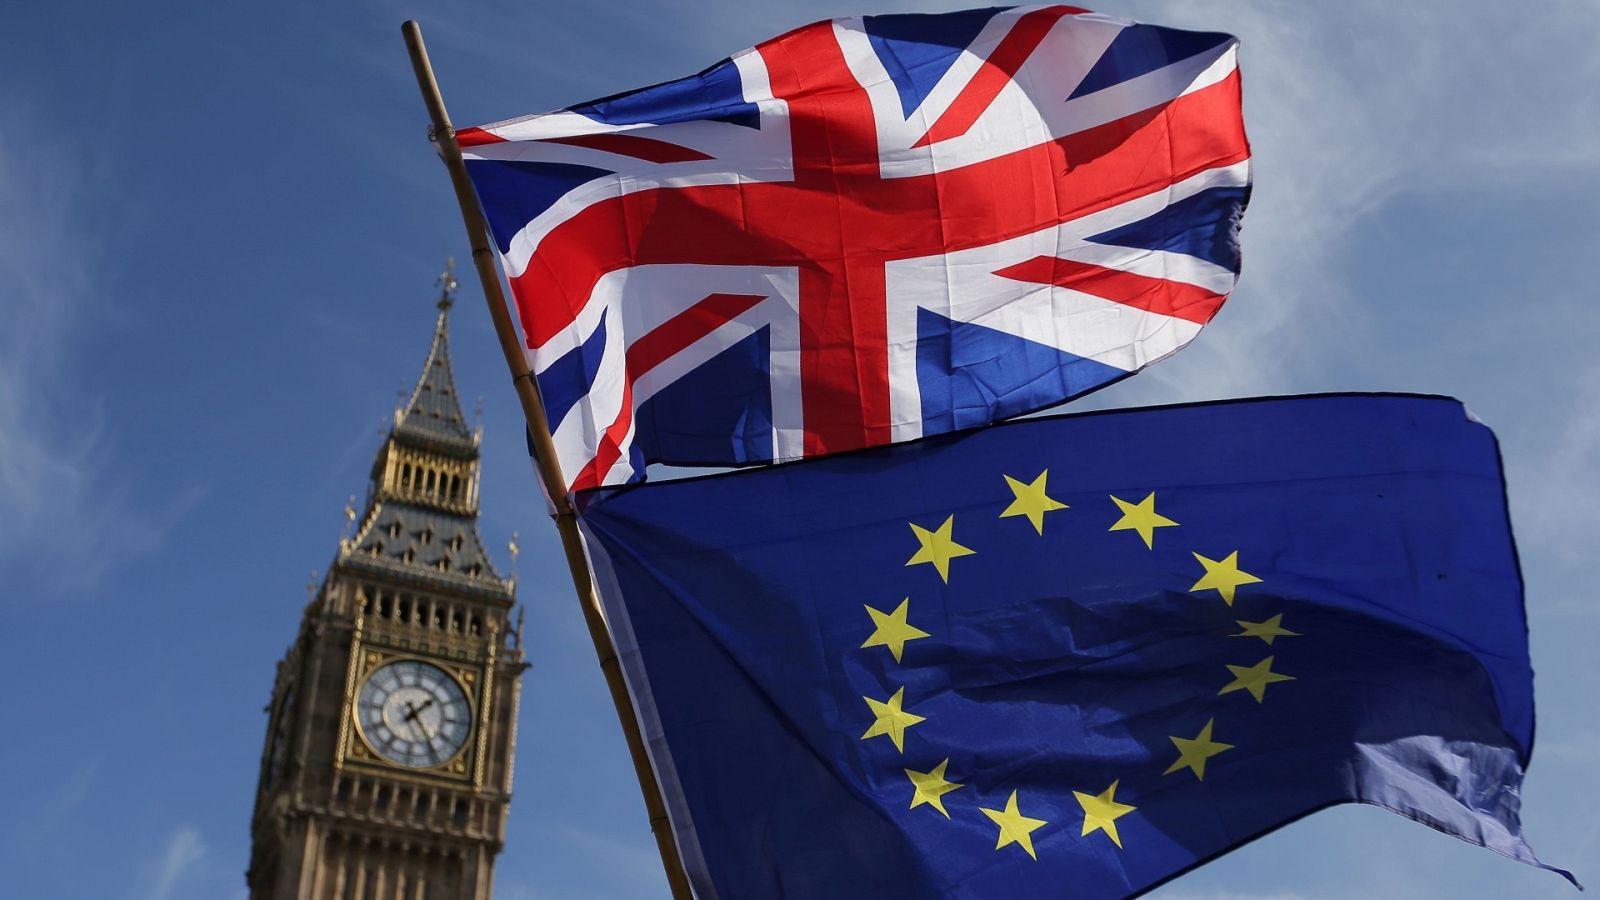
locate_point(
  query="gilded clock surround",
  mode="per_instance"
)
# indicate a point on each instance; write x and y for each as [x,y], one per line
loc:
[334,819]
[467,679]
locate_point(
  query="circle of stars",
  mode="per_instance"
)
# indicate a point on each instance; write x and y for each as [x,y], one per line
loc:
[938,547]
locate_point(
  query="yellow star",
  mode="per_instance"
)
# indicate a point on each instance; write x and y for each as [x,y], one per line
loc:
[938,547]
[931,787]
[1101,813]
[1015,828]
[1192,754]
[1223,576]
[1031,501]
[892,630]
[1141,517]
[892,720]
[1254,679]
[1267,631]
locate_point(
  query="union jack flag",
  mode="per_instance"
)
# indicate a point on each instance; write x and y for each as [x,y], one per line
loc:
[867,230]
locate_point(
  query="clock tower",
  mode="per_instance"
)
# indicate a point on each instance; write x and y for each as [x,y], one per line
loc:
[386,773]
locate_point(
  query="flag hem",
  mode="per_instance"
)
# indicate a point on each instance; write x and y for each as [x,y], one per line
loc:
[615,614]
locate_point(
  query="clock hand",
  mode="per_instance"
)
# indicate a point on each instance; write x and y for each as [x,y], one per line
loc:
[415,710]
[413,715]
[429,738]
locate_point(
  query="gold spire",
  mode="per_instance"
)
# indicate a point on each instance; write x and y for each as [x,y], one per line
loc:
[433,410]
[446,283]
[516,550]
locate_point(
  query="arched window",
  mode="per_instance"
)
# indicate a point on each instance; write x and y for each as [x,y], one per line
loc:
[405,477]
[405,609]
[477,626]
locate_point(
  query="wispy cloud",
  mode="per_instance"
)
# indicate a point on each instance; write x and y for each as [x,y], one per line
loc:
[56,811]
[630,870]
[68,519]
[1223,895]
[615,869]
[1335,144]
[1582,748]
[1559,468]
[184,849]
[610,870]
[515,891]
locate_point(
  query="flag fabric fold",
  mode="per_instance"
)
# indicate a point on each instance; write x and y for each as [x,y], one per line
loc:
[867,230]
[1074,656]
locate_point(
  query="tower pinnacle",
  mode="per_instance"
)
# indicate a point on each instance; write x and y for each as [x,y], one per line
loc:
[446,283]
[433,411]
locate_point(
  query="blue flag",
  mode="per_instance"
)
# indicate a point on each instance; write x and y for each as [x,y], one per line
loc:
[1074,656]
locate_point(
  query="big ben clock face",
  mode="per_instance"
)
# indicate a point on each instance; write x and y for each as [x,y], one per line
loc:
[413,714]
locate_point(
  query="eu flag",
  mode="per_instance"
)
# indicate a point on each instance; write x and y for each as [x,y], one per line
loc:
[1074,656]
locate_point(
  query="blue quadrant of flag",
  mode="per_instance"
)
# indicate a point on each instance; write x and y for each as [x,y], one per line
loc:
[1074,656]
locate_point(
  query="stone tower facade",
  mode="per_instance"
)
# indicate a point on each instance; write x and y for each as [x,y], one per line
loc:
[386,773]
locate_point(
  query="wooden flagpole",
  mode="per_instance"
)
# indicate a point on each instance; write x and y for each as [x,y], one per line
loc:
[545,457]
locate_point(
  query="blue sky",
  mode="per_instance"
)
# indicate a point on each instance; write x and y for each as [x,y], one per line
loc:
[219,226]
